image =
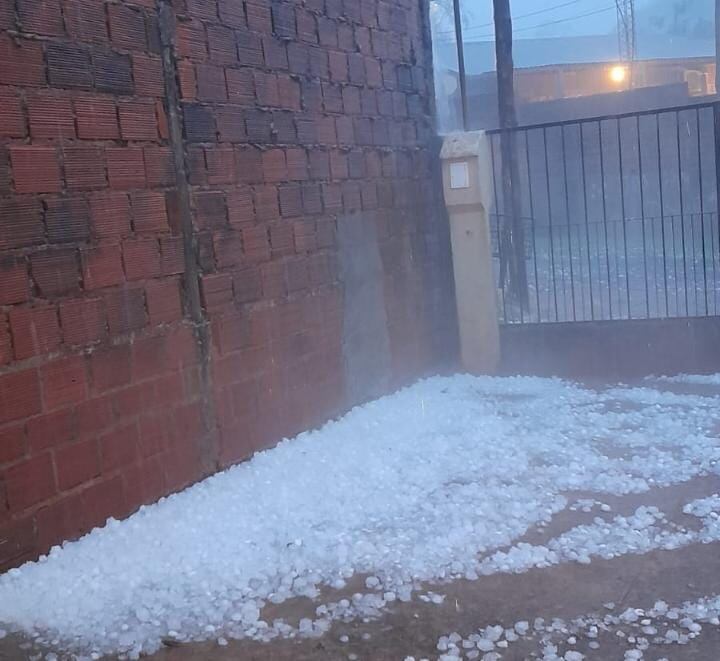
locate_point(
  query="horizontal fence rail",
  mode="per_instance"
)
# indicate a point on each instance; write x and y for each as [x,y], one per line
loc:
[620,217]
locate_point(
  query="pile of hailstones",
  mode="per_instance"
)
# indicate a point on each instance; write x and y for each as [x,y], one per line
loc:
[639,629]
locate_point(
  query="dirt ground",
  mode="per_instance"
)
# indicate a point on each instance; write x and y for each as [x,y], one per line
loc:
[566,591]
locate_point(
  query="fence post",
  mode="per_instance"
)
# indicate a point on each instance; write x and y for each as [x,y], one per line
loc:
[467,186]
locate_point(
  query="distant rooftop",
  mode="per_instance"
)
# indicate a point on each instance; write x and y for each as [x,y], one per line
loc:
[480,55]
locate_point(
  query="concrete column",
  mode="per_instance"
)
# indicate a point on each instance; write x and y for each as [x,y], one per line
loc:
[467,184]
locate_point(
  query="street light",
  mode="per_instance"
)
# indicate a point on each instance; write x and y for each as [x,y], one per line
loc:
[618,74]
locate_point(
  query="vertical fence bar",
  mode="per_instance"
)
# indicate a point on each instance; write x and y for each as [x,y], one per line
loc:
[642,217]
[662,217]
[624,220]
[461,64]
[604,210]
[587,227]
[682,210]
[497,227]
[567,220]
[550,223]
[702,210]
[532,225]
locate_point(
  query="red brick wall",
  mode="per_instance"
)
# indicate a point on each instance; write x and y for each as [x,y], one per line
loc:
[116,384]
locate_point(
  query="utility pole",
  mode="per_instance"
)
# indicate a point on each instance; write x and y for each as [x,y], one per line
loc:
[512,234]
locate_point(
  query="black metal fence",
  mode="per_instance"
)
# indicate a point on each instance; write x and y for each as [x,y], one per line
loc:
[620,217]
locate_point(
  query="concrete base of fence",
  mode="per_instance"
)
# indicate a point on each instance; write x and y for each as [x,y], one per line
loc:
[467,186]
[624,349]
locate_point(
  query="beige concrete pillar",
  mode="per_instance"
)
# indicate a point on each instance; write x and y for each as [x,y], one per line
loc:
[467,184]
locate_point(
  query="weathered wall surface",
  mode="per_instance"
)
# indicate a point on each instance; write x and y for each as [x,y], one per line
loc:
[172,279]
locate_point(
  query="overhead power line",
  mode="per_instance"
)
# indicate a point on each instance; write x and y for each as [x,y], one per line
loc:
[555,22]
[519,17]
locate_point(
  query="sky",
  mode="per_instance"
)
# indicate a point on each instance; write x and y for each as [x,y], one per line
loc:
[557,18]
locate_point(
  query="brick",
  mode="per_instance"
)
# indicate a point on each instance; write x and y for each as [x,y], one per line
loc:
[67,219]
[149,212]
[247,284]
[84,168]
[220,165]
[248,164]
[231,14]
[266,89]
[12,443]
[148,75]
[338,63]
[102,266]
[12,122]
[69,66]
[283,124]
[19,395]
[97,119]
[231,124]
[306,26]
[325,128]
[85,20]
[327,32]
[30,482]
[319,63]
[297,164]
[159,166]
[259,17]
[41,17]
[298,58]
[211,211]
[205,9]
[113,72]
[22,62]
[119,448]
[346,37]
[83,321]
[77,463]
[52,429]
[50,117]
[211,83]
[186,79]
[273,280]
[20,223]
[35,169]
[281,239]
[127,27]
[275,53]
[338,164]
[63,382]
[351,100]
[172,259]
[6,350]
[216,290]
[228,248]
[199,123]
[163,301]
[110,368]
[250,52]
[221,43]
[125,309]
[34,330]
[344,129]
[240,206]
[141,258]
[332,97]
[126,167]
[289,92]
[191,40]
[256,244]
[138,120]
[319,164]
[312,199]
[55,272]
[332,197]
[14,278]
[304,236]
[290,201]
[240,86]
[266,202]
[274,165]
[110,214]
[258,124]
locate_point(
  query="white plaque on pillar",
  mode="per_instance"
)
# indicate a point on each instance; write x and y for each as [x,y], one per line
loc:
[459,175]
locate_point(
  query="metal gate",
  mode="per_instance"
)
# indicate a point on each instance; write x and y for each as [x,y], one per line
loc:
[620,217]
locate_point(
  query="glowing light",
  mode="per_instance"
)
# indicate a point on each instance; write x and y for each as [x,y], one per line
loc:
[618,74]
